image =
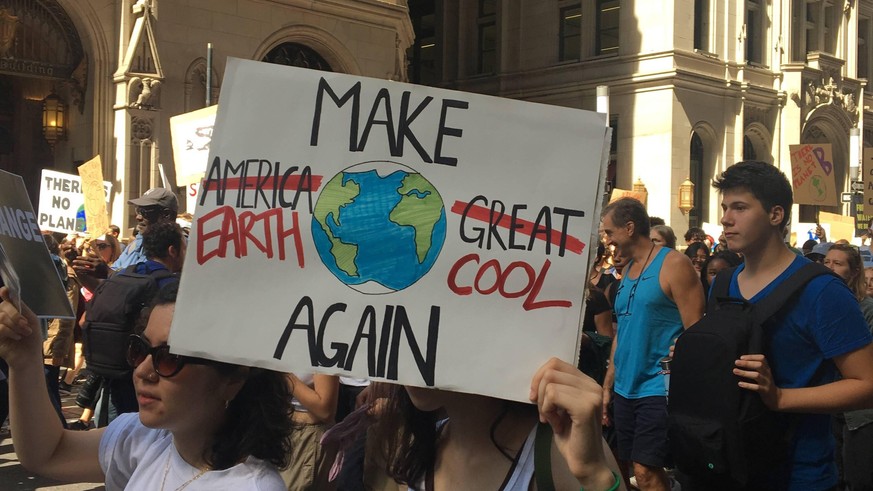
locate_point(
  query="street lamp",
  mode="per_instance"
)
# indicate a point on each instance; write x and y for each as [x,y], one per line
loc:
[686,196]
[53,119]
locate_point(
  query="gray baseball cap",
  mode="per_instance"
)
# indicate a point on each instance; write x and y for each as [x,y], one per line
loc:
[162,197]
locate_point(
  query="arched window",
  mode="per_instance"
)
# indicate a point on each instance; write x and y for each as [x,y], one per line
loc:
[749,149]
[695,173]
[293,54]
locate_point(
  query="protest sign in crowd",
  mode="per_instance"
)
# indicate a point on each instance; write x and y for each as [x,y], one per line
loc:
[386,286]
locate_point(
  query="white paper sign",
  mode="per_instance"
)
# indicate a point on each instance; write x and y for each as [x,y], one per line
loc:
[191,134]
[390,231]
[62,203]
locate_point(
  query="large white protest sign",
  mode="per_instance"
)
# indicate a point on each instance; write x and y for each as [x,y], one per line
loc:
[25,264]
[389,231]
[62,202]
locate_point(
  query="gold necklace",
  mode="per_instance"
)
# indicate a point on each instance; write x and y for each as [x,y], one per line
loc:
[186,483]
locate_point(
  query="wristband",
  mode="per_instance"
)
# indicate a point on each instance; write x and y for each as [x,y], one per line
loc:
[614,486]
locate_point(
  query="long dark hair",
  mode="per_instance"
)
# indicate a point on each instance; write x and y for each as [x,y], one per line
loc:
[257,420]
[409,435]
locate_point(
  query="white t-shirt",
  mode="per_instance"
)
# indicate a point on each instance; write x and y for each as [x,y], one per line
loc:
[134,457]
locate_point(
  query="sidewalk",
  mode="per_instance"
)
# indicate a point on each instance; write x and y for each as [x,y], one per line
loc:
[13,477]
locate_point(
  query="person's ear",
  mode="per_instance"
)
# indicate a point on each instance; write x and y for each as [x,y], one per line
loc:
[777,214]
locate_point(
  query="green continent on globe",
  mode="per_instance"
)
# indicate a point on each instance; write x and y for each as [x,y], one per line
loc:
[333,197]
[420,208]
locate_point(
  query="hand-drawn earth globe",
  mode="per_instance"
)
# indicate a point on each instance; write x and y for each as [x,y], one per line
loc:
[379,226]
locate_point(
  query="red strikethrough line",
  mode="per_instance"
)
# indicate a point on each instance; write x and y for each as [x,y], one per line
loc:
[292,183]
[484,214]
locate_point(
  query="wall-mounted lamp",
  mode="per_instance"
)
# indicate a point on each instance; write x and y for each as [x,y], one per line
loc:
[686,196]
[53,119]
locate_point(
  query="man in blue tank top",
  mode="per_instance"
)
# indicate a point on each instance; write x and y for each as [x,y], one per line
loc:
[821,334]
[659,295]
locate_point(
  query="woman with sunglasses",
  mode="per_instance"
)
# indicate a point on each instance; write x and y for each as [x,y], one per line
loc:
[201,425]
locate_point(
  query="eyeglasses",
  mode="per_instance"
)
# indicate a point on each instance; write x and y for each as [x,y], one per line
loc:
[164,363]
[103,245]
[630,298]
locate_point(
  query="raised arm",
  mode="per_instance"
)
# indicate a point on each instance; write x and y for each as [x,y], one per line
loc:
[320,399]
[42,445]
[571,403]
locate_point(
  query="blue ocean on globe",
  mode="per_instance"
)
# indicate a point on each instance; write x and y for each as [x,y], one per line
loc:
[382,255]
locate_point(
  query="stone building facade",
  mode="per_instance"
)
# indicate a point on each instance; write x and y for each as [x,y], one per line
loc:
[695,85]
[121,69]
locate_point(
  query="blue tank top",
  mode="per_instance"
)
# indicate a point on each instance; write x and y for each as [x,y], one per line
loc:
[648,322]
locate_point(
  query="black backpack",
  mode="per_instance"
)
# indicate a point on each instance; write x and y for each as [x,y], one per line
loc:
[719,432]
[111,317]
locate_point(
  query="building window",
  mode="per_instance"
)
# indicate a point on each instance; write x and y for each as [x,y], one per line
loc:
[864,48]
[612,166]
[831,16]
[749,149]
[607,27]
[424,55]
[816,27]
[812,26]
[487,36]
[695,174]
[570,32]
[701,25]
[755,31]
[293,54]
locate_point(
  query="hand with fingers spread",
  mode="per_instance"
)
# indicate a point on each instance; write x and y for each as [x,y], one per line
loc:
[757,376]
[90,264]
[20,340]
[571,403]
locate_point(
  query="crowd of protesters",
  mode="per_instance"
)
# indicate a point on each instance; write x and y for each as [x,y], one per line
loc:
[209,425]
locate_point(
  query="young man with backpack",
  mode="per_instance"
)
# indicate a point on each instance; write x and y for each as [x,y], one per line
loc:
[115,309]
[817,335]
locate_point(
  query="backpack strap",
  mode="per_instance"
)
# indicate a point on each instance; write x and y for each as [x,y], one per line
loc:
[791,286]
[720,288]
[543,458]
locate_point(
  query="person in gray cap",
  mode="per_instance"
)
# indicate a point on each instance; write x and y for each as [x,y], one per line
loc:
[156,205]
[819,251]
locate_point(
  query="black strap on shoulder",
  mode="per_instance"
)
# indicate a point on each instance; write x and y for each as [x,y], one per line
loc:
[772,303]
[543,458]
[720,287]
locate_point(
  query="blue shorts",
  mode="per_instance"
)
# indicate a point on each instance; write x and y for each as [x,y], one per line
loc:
[641,430]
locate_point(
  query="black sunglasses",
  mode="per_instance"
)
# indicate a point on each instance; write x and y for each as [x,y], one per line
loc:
[164,363]
[149,211]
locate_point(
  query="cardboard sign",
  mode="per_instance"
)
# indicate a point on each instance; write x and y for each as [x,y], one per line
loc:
[61,202]
[624,193]
[867,173]
[97,218]
[389,231]
[841,227]
[812,175]
[191,134]
[25,263]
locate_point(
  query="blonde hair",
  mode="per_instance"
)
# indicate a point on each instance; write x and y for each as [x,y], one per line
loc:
[857,282]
